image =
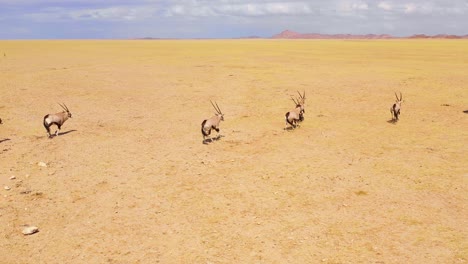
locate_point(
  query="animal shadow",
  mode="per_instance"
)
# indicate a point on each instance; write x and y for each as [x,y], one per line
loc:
[3,140]
[290,128]
[63,133]
[392,121]
[206,141]
[466,111]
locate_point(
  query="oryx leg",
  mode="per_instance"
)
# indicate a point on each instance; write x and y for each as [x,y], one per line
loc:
[206,135]
[288,121]
[48,131]
[58,130]
[217,131]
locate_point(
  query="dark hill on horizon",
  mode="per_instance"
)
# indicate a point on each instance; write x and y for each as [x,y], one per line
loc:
[289,34]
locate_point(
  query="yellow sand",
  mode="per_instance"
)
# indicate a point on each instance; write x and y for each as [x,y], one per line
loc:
[130,181]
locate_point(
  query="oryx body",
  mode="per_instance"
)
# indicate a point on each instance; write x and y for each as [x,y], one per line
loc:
[212,123]
[297,114]
[294,117]
[56,119]
[396,107]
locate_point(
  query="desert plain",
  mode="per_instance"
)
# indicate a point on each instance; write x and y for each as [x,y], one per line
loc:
[128,180]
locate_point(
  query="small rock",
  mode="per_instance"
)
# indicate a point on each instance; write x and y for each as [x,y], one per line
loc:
[42,164]
[29,230]
[12,177]
[7,188]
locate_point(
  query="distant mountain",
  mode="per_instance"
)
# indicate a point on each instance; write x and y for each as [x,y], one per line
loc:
[289,34]
[251,37]
[439,36]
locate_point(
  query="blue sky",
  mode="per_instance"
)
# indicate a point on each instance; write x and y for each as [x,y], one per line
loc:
[91,19]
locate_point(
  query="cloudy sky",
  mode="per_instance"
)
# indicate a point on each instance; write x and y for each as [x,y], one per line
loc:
[72,19]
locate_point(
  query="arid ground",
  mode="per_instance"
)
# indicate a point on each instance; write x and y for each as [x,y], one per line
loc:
[129,180]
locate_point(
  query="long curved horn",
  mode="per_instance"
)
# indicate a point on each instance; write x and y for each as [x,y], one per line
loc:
[296,103]
[401,97]
[302,96]
[396,96]
[217,110]
[63,107]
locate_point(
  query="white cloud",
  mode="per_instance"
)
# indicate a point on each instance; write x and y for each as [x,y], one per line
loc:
[385,6]
[425,8]
[410,8]
[239,9]
[209,18]
[351,6]
[111,13]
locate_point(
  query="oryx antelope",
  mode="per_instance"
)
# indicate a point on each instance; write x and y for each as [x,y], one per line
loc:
[395,109]
[297,115]
[56,119]
[212,123]
[301,101]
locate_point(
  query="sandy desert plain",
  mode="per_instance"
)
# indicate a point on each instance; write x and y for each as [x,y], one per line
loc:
[129,180]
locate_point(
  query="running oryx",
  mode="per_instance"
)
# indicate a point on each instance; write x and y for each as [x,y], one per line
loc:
[301,101]
[56,119]
[395,109]
[297,115]
[212,123]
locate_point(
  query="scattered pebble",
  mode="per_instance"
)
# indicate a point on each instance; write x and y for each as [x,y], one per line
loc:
[13,177]
[7,188]
[29,230]
[42,164]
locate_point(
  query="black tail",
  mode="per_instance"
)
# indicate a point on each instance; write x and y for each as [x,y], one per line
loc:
[203,131]
[287,119]
[45,124]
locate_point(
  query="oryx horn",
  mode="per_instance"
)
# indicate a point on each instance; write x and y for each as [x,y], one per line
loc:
[218,110]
